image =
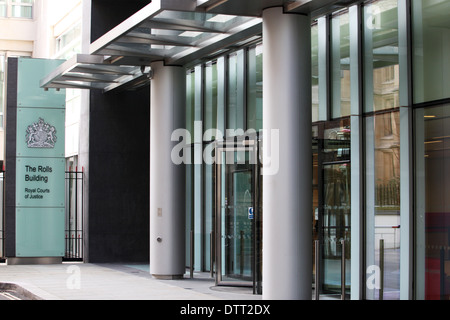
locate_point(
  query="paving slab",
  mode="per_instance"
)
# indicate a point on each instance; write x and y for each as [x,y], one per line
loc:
[85,281]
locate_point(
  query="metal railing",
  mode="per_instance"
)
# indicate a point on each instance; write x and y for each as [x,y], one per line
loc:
[318,270]
[74,216]
[2,256]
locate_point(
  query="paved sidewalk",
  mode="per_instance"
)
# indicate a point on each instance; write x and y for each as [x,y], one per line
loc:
[84,281]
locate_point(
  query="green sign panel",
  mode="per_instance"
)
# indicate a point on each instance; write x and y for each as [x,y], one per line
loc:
[38,182]
[40,162]
[40,132]
[29,92]
[41,233]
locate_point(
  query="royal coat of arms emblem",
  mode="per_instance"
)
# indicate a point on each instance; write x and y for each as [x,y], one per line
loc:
[41,135]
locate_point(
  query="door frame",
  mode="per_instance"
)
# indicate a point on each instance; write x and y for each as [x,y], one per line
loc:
[232,146]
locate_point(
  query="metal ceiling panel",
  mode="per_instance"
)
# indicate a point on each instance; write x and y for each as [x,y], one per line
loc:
[178,32]
[175,31]
[95,72]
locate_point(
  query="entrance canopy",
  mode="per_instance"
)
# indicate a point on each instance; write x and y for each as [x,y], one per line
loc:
[178,32]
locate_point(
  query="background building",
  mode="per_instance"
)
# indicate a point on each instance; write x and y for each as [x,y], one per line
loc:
[46,29]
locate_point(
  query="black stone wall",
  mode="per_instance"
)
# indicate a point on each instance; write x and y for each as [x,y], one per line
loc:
[119,146]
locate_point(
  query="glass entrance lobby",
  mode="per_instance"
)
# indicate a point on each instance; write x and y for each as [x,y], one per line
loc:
[363,140]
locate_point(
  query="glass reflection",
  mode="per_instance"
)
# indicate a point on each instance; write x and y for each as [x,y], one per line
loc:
[340,64]
[381,66]
[210,110]
[331,202]
[236,97]
[254,88]
[431,36]
[383,205]
[433,204]
[315,71]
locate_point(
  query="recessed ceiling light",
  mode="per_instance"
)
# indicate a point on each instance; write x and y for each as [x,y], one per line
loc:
[190,34]
[222,18]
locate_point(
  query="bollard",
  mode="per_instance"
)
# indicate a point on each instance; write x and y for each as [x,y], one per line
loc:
[317,268]
[381,292]
[192,255]
[342,269]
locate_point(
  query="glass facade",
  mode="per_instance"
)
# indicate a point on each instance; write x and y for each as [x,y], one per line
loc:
[224,100]
[255,89]
[376,77]
[431,49]
[315,71]
[332,202]
[235,94]
[430,39]
[383,202]
[372,88]
[433,206]
[382,146]
[340,64]
[381,62]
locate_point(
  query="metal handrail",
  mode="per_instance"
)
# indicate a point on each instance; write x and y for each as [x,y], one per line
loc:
[317,269]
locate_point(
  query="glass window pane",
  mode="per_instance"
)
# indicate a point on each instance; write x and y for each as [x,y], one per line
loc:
[2,9]
[210,112]
[190,102]
[433,204]
[340,64]
[255,87]
[315,71]
[323,68]
[383,206]
[189,209]
[208,216]
[19,11]
[334,214]
[221,95]
[431,49]
[2,88]
[235,107]
[381,66]
[73,34]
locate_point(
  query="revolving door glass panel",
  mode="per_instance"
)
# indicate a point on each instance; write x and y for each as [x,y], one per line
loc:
[238,220]
[332,207]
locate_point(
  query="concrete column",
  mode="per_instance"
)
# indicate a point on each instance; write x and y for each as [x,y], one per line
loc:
[287,192]
[167,180]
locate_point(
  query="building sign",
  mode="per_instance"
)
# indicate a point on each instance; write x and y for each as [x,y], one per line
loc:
[40,159]
[38,182]
[40,162]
